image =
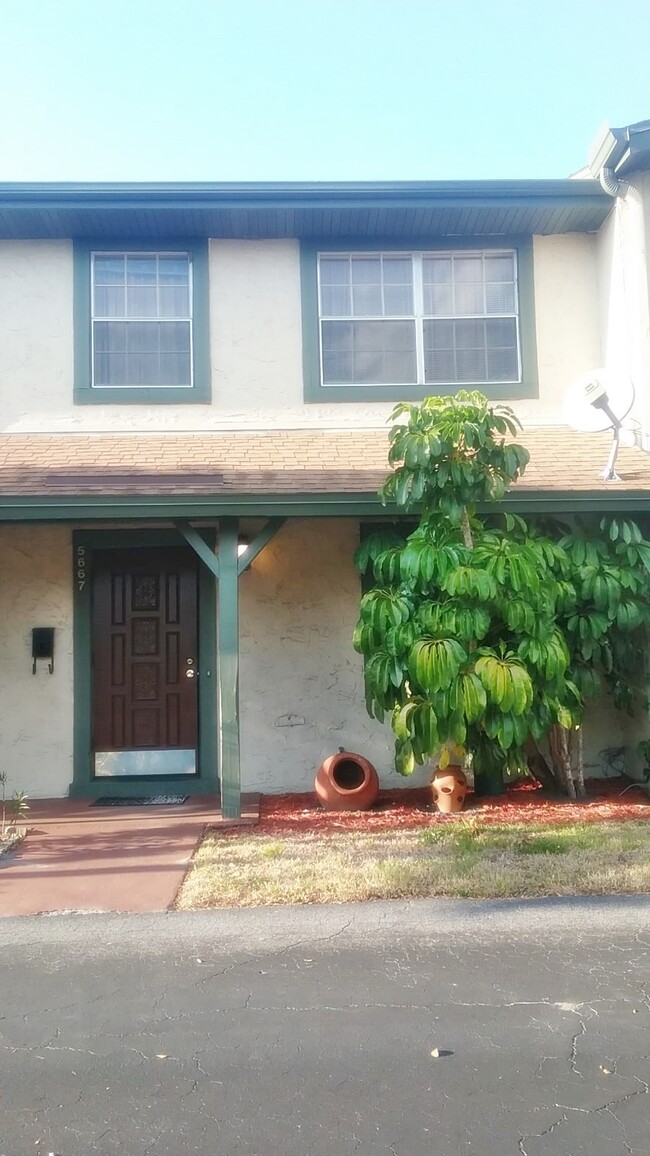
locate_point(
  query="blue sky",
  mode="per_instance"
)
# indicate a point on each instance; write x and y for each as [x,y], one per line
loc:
[314,89]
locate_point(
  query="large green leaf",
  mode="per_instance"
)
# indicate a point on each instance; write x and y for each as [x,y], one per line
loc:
[435,663]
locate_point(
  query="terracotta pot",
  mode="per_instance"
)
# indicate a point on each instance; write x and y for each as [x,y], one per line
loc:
[346,782]
[449,788]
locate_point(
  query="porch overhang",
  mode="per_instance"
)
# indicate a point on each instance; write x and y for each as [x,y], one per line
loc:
[275,473]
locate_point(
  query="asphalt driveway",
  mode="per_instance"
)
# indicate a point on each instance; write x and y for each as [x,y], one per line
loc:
[306,1031]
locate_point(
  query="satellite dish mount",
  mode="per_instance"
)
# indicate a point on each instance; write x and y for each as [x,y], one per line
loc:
[598,401]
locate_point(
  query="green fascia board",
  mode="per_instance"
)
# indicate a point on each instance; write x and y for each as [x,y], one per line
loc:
[292,194]
[175,507]
[84,785]
[317,393]
[200,393]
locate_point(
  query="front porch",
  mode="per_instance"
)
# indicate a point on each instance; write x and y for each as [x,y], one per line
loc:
[80,857]
[271,536]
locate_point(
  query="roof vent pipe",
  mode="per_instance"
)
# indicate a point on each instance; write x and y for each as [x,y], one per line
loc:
[610,184]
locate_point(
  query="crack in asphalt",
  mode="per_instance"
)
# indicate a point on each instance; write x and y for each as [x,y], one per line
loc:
[568,1108]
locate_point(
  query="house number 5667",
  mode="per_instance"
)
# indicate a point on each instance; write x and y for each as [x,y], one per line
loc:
[80,567]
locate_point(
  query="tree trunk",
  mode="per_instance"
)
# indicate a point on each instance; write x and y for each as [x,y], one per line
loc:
[577,743]
[561,759]
[538,766]
[467,531]
[488,781]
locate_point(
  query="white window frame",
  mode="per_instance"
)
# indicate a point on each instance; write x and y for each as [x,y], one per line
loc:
[157,253]
[419,316]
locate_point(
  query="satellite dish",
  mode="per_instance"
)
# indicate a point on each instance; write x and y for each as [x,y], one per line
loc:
[600,400]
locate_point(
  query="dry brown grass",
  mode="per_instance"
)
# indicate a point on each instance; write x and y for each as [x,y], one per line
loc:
[463,860]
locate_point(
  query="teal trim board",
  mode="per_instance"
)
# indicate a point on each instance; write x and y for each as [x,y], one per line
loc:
[84,391]
[84,785]
[228,668]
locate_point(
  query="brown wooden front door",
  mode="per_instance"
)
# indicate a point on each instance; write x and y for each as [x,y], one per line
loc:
[145,663]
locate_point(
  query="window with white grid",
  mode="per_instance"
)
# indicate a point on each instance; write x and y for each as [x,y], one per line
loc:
[440,318]
[141,320]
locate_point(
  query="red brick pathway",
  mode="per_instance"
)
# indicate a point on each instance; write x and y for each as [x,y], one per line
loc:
[81,858]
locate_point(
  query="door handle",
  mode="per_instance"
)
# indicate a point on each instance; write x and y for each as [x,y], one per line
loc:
[191,673]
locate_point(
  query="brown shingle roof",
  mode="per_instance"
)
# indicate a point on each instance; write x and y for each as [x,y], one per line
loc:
[274,462]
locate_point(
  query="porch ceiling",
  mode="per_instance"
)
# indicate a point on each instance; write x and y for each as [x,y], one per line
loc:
[274,463]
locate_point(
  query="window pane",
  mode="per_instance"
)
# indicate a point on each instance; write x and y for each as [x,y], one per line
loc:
[173,301]
[109,270]
[175,369]
[141,301]
[502,365]
[437,270]
[367,300]
[335,300]
[142,338]
[438,300]
[468,269]
[142,369]
[109,301]
[110,336]
[366,271]
[334,271]
[499,298]
[398,271]
[438,335]
[382,352]
[469,334]
[398,300]
[141,270]
[500,268]
[440,366]
[173,270]
[501,332]
[110,369]
[174,337]
[471,365]
[469,299]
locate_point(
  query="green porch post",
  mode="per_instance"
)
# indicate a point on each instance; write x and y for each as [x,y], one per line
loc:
[228,668]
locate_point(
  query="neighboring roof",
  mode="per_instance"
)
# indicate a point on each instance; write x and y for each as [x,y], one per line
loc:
[311,211]
[284,462]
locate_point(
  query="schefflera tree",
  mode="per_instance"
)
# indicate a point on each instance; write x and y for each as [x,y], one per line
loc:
[459,630]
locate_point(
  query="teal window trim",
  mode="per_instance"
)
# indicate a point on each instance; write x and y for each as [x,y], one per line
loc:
[200,393]
[317,393]
[84,784]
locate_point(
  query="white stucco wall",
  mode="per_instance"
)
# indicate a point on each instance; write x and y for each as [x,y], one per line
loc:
[302,691]
[302,694]
[256,341]
[623,273]
[35,710]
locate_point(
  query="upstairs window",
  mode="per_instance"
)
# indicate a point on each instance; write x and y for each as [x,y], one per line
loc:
[141,324]
[397,325]
[141,320]
[430,318]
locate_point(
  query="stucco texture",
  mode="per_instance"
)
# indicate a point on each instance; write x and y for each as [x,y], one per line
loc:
[256,341]
[302,694]
[36,709]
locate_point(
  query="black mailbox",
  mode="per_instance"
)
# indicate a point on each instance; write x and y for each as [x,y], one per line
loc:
[43,646]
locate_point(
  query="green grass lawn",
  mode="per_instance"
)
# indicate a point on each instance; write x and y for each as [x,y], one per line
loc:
[464,860]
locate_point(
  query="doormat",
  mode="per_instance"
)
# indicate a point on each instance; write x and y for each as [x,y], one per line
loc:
[139,801]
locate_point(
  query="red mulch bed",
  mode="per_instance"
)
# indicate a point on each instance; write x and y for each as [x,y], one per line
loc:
[608,800]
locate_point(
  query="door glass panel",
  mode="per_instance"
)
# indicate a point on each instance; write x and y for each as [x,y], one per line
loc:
[114,764]
[145,592]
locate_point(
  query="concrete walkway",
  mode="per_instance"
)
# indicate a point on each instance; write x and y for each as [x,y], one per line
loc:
[81,858]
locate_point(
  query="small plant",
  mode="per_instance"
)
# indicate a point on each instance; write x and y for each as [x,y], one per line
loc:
[16,807]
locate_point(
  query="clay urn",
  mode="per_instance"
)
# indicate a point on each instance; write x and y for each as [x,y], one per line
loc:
[449,787]
[346,782]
